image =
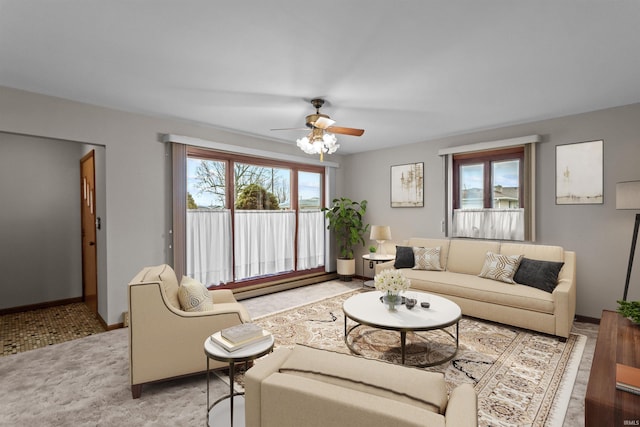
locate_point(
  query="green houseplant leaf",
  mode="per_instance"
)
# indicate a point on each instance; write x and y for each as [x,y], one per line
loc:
[346,221]
[630,310]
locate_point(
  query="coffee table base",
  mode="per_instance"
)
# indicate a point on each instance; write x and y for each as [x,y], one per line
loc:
[403,341]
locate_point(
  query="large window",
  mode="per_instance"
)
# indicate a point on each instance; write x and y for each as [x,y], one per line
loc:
[250,219]
[491,190]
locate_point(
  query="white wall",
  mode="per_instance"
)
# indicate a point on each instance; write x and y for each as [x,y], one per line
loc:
[599,234]
[137,173]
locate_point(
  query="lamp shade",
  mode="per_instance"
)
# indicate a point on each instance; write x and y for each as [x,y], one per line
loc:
[380,232]
[627,195]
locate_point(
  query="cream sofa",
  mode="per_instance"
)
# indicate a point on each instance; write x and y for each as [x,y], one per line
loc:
[165,341]
[308,387]
[513,304]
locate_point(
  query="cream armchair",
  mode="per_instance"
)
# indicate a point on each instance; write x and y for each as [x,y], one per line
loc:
[164,341]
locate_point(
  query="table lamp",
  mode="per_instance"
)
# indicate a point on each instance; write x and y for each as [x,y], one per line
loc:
[628,197]
[380,233]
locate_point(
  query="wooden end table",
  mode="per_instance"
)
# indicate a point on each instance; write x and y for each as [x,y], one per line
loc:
[604,405]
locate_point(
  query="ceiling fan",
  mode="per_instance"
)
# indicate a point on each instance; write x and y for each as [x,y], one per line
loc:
[324,122]
[321,139]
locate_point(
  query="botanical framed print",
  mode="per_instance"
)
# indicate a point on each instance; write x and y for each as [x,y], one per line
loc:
[579,173]
[407,186]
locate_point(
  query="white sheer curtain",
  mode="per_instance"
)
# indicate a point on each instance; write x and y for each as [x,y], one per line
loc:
[502,224]
[310,239]
[264,242]
[208,246]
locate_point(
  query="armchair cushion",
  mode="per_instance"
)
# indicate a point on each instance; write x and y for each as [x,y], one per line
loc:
[165,275]
[194,296]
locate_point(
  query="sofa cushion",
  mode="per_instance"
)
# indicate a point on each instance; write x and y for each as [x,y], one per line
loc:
[403,384]
[427,258]
[539,274]
[480,289]
[541,252]
[421,242]
[500,267]
[404,257]
[467,256]
[165,275]
[194,296]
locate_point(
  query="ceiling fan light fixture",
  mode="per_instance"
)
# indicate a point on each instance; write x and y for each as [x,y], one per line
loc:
[318,143]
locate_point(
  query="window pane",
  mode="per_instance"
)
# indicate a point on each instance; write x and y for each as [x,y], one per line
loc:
[208,223]
[309,190]
[206,186]
[310,221]
[506,184]
[261,187]
[471,186]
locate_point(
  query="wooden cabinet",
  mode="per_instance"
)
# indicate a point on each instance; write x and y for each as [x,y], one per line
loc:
[618,342]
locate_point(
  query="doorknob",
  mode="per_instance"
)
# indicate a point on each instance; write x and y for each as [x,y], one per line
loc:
[92,243]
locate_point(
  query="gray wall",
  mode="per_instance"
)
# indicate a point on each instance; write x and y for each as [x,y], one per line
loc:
[40,255]
[137,178]
[599,234]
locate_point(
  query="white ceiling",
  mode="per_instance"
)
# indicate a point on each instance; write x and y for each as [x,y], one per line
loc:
[404,70]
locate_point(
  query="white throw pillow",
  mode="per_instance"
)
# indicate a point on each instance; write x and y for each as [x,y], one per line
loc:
[194,296]
[500,267]
[427,258]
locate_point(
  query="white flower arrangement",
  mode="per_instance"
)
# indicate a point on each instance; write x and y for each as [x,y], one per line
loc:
[391,281]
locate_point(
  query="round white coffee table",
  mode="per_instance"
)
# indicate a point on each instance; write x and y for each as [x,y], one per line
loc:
[243,355]
[366,309]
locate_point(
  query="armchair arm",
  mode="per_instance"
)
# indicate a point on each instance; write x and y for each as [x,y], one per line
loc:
[222,295]
[384,266]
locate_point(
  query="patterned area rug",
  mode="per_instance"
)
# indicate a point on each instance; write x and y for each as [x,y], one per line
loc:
[521,377]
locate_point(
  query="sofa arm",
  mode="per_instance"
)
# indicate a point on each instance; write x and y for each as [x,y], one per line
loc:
[462,409]
[384,266]
[564,296]
[253,379]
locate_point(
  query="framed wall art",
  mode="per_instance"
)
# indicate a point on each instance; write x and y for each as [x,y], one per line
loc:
[407,186]
[579,173]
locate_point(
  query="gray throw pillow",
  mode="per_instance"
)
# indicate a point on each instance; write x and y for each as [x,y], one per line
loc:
[538,274]
[404,257]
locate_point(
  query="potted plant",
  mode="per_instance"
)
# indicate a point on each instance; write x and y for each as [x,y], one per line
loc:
[372,249]
[630,310]
[346,221]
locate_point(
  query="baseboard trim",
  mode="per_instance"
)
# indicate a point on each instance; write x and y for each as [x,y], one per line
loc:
[586,319]
[250,292]
[40,305]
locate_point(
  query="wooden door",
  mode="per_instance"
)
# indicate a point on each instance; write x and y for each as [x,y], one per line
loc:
[88,210]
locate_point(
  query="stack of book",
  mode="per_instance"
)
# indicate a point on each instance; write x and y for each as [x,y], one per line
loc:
[628,378]
[240,336]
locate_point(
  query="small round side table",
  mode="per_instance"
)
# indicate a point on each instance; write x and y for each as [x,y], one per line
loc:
[243,355]
[374,258]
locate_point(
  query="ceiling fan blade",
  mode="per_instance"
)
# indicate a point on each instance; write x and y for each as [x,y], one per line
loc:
[323,122]
[291,129]
[345,131]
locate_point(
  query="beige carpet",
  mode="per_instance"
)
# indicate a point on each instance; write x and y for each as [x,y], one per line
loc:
[522,378]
